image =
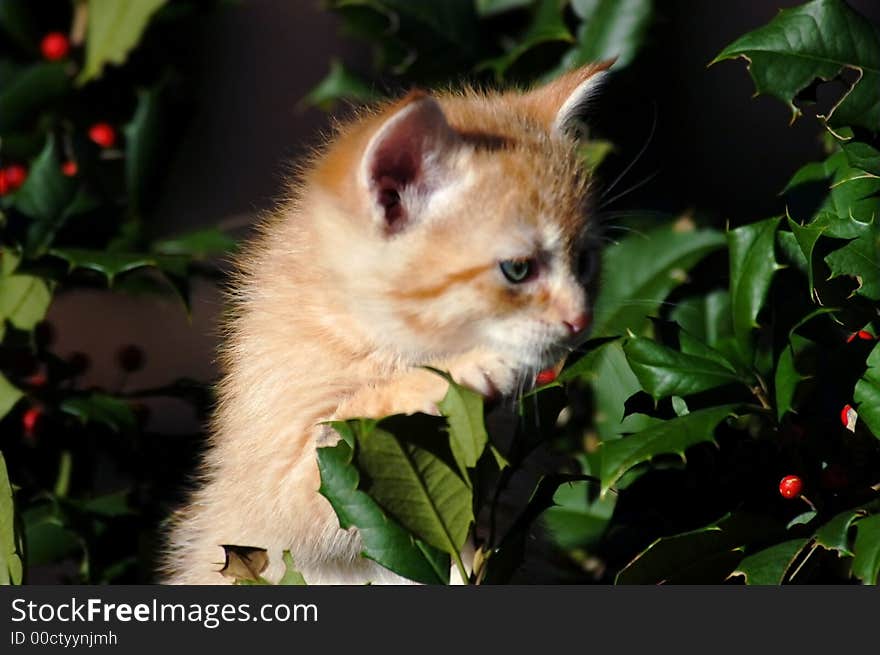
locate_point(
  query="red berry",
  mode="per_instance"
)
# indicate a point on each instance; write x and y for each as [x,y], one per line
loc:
[103,134]
[848,417]
[30,421]
[69,168]
[130,358]
[546,376]
[790,486]
[4,183]
[15,176]
[37,380]
[865,335]
[55,46]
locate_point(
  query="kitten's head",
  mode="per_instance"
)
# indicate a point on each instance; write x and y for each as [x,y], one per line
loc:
[460,221]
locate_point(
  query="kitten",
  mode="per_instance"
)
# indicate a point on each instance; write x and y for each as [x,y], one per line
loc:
[449,230]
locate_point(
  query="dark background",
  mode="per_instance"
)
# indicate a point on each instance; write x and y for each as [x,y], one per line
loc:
[716,150]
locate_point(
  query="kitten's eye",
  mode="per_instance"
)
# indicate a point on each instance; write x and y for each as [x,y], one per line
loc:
[518,270]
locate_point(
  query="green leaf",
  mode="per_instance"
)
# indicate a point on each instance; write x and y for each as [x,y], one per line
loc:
[24,300]
[670,437]
[787,376]
[417,488]
[339,84]
[862,156]
[29,92]
[9,395]
[697,556]
[834,535]
[752,265]
[47,540]
[664,372]
[706,317]
[291,575]
[867,393]
[770,566]
[201,244]
[10,543]
[866,561]
[546,26]
[860,259]
[42,233]
[383,540]
[144,148]
[609,28]
[17,23]
[463,410]
[114,29]
[575,521]
[111,264]
[46,192]
[493,7]
[101,408]
[819,39]
[629,294]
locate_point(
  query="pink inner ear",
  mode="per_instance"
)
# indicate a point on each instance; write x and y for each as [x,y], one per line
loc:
[398,156]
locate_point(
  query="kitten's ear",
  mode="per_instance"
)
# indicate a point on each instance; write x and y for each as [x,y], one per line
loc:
[404,159]
[558,103]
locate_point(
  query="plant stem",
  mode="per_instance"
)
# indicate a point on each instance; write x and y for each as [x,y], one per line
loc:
[62,482]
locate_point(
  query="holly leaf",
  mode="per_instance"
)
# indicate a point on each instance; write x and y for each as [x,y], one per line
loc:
[201,244]
[9,396]
[834,535]
[384,541]
[339,84]
[787,376]
[866,559]
[111,264]
[11,569]
[630,294]
[818,40]
[144,147]
[669,437]
[770,566]
[492,7]
[418,488]
[706,318]
[608,29]
[862,156]
[114,29]
[709,552]
[31,91]
[547,25]
[101,408]
[867,393]
[576,521]
[46,192]
[244,563]
[664,372]
[24,300]
[752,265]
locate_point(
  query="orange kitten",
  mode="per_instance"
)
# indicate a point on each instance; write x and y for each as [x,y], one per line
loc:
[446,229]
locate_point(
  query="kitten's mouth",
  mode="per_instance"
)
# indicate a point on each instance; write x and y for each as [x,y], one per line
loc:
[550,374]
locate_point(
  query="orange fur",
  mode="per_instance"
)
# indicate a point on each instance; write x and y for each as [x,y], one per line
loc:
[333,316]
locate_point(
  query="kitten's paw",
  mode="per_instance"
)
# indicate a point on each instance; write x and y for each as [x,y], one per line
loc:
[489,375]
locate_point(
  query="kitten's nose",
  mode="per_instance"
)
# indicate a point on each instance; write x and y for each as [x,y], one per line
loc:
[577,323]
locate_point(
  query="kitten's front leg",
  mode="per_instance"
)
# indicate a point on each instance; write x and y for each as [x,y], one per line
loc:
[419,390]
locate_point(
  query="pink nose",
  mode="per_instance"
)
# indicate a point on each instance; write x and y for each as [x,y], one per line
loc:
[578,323]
